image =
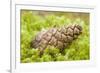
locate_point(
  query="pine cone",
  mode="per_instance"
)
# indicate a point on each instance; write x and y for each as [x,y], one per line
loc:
[56,37]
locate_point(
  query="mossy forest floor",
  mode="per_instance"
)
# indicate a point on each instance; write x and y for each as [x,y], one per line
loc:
[34,21]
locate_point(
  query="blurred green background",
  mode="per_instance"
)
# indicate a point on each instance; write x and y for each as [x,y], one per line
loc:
[34,21]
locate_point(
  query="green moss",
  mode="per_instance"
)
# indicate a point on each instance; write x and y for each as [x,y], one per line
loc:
[34,21]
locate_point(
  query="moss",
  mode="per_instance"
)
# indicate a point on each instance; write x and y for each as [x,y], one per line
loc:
[34,21]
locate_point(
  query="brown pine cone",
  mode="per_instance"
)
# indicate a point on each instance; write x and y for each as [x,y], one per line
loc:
[57,37]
